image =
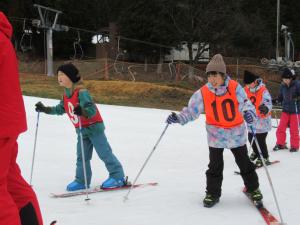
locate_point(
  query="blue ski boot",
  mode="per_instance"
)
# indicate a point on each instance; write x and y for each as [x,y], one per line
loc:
[113,183]
[75,186]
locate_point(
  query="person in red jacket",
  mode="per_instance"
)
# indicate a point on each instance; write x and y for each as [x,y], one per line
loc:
[18,202]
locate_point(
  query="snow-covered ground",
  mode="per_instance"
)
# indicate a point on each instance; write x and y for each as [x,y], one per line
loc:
[178,165]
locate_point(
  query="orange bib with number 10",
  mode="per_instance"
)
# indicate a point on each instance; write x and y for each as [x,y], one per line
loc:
[222,111]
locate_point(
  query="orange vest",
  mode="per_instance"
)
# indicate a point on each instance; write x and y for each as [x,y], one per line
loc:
[256,99]
[222,111]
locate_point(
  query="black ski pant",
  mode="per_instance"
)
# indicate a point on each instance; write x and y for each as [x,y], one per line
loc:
[214,174]
[261,139]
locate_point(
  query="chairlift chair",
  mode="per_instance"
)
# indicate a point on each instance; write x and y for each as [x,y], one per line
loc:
[26,39]
[119,68]
[77,45]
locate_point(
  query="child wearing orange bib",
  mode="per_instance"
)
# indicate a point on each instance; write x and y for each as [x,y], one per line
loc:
[226,106]
[260,97]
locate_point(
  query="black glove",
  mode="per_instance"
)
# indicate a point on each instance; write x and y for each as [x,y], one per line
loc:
[78,110]
[39,107]
[275,101]
[172,118]
[248,117]
[263,109]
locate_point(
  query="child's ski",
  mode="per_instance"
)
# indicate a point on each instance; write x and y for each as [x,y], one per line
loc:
[99,189]
[271,163]
[267,216]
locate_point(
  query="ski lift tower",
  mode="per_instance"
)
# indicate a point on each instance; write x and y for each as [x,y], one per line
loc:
[48,21]
[288,42]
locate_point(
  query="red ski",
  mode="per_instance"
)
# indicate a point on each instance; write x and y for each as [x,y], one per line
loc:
[267,216]
[271,163]
[99,189]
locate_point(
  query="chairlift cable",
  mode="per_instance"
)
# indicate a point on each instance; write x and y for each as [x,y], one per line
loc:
[99,32]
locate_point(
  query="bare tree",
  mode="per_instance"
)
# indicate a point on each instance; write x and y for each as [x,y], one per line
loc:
[203,22]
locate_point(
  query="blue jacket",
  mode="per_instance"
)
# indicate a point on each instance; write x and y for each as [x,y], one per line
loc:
[288,95]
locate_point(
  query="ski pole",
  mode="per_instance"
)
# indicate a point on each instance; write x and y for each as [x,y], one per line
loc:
[83,160]
[268,175]
[146,161]
[252,140]
[34,146]
[251,144]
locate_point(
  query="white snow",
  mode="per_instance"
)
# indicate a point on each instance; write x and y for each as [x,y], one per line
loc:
[178,165]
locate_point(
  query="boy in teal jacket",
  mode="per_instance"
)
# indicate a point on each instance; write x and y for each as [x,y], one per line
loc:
[79,106]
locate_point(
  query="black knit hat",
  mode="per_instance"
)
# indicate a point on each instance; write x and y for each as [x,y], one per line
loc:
[249,77]
[288,74]
[71,71]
